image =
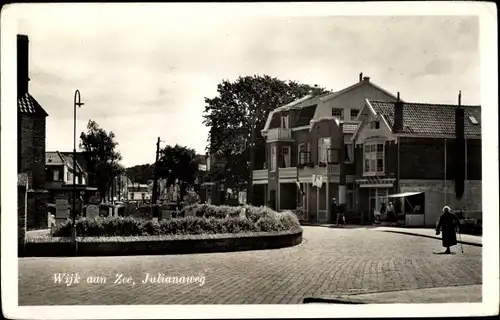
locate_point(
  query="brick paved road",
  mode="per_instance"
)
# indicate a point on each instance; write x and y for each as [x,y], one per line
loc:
[329,261]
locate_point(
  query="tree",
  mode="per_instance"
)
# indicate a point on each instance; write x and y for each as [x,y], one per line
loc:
[102,158]
[239,107]
[178,163]
[141,173]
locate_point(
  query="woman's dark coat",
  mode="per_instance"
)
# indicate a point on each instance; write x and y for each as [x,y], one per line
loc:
[448,225]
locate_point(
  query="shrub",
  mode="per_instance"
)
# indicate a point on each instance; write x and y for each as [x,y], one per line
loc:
[213,220]
[211,211]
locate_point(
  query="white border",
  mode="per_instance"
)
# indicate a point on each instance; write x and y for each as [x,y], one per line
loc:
[489,102]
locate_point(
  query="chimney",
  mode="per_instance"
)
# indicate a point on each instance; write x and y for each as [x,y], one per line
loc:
[367,79]
[22,64]
[361,77]
[459,122]
[398,115]
[459,156]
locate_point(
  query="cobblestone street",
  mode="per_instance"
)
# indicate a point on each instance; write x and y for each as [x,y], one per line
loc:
[329,261]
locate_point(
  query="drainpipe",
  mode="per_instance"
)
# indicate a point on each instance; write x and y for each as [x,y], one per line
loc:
[342,180]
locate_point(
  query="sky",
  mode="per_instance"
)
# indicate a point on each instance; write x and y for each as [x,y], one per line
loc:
[144,71]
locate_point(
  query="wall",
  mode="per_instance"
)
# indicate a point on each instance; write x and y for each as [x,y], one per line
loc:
[423,158]
[21,217]
[354,99]
[26,149]
[38,166]
[435,197]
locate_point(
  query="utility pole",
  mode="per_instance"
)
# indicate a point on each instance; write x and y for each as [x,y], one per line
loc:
[252,157]
[76,102]
[155,174]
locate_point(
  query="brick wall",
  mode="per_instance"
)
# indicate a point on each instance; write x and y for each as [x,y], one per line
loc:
[423,158]
[21,217]
[38,166]
[26,146]
[37,210]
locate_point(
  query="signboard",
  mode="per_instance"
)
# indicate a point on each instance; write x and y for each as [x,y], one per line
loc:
[242,197]
[92,211]
[62,208]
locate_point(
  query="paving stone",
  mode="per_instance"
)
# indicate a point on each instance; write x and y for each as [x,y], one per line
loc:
[330,262]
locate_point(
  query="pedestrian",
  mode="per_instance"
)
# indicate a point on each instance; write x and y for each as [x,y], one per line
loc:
[341,215]
[391,216]
[449,225]
[333,208]
[383,211]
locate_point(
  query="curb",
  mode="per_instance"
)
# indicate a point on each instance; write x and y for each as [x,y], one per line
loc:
[433,237]
[126,246]
[335,300]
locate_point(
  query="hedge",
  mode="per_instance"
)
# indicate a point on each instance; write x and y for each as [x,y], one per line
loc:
[206,219]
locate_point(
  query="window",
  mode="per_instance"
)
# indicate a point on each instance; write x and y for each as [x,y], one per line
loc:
[273,158]
[374,158]
[323,146]
[348,153]
[286,156]
[354,113]
[56,175]
[300,150]
[375,125]
[68,177]
[337,112]
[285,122]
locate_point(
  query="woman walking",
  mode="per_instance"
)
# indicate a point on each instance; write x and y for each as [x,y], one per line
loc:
[448,224]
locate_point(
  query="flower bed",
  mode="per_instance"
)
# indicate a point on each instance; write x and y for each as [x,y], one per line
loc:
[198,219]
[205,228]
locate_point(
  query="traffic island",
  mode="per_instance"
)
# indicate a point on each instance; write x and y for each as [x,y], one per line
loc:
[205,229]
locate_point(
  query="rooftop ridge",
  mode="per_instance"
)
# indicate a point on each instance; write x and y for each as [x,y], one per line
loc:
[428,104]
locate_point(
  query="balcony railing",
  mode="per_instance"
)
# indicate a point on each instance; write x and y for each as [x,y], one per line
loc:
[279,134]
[333,170]
[290,172]
[260,174]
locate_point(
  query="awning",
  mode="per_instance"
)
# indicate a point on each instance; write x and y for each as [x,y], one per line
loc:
[404,194]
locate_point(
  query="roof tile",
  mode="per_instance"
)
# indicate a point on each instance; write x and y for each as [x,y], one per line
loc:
[430,119]
[26,104]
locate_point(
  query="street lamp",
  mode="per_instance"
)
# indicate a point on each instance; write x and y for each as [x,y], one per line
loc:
[77,102]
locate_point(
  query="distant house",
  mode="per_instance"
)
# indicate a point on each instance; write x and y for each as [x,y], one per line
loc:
[31,123]
[60,171]
[139,192]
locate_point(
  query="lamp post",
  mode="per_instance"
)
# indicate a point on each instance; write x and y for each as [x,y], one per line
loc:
[76,102]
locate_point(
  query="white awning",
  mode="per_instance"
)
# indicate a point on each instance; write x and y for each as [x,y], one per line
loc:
[404,194]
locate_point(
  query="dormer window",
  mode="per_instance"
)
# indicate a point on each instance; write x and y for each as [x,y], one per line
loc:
[473,120]
[354,114]
[336,112]
[285,122]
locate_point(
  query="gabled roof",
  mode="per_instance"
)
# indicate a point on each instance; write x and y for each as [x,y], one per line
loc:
[306,106]
[54,158]
[58,158]
[80,160]
[26,104]
[355,86]
[429,119]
